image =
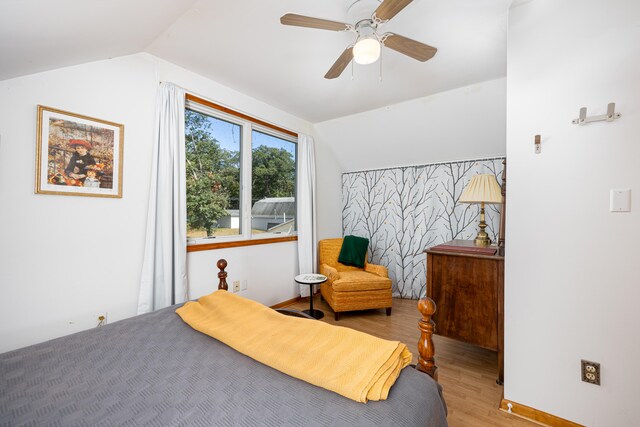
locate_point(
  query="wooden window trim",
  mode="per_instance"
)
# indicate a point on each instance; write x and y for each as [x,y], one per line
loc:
[246,242]
[239,243]
[224,109]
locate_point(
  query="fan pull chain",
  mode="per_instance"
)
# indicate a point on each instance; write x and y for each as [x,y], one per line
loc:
[352,69]
[380,76]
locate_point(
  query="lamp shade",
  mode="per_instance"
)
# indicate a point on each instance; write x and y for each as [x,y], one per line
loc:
[482,189]
[366,50]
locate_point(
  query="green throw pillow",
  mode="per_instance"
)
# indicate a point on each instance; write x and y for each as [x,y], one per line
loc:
[353,251]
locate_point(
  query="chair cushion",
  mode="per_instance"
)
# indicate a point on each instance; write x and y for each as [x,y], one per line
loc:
[352,281]
[353,251]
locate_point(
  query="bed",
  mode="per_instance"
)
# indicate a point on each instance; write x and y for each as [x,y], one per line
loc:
[154,369]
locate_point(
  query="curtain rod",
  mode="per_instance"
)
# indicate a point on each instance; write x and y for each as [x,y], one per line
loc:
[222,107]
[426,164]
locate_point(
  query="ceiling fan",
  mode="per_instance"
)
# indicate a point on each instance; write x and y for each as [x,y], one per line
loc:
[366,49]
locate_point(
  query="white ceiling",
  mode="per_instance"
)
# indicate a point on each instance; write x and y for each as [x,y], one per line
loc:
[40,35]
[242,44]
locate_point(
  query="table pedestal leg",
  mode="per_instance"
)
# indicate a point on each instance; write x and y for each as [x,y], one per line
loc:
[311,312]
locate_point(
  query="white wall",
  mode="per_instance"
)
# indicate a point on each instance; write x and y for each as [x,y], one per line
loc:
[460,124]
[572,282]
[269,278]
[64,260]
[329,188]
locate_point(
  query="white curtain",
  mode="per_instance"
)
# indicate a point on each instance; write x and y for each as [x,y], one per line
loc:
[164,270]
[306,218]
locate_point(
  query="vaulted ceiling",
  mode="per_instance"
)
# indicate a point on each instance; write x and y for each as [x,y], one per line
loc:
[242,44]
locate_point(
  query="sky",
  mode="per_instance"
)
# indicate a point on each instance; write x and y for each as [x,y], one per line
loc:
[229,135]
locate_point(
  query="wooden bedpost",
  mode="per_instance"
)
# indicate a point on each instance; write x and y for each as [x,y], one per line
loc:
[426,349]
[222,275]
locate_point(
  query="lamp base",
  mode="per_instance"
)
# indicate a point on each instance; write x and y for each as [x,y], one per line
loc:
[482,240]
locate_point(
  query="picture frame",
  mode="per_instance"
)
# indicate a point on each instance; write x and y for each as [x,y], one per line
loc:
[78,155]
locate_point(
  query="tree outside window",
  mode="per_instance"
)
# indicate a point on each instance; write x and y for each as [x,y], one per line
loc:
[214,177]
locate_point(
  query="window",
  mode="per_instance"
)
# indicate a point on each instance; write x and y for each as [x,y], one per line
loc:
[212,150]
[273,184]
[241,176]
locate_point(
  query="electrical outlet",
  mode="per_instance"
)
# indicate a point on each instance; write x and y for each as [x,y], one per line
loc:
[590,372]
[236,286]
[245,285]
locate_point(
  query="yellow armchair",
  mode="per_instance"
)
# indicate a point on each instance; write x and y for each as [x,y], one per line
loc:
[351,288]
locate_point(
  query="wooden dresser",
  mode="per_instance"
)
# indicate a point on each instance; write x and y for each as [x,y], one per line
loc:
[468,289]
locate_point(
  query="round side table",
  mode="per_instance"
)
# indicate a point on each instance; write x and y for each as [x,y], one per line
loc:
[311,279]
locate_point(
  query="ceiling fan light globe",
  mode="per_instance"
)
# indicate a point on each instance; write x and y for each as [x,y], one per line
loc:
[366,51]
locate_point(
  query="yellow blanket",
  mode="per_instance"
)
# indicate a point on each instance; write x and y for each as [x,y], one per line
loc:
[351,363]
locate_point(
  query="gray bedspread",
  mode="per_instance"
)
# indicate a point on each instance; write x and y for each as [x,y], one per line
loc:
[155,370]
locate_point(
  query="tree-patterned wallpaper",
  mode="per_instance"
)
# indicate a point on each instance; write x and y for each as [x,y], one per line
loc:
[405,210]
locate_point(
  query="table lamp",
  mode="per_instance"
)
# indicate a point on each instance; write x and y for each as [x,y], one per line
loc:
[482,189]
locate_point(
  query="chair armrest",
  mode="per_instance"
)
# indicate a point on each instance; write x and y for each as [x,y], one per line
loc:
[379,270]
[331,273]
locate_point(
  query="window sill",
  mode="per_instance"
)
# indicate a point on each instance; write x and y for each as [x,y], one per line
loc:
[195,247]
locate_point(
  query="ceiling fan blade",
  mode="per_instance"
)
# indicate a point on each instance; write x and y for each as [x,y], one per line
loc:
[390,8]
[307,21]
[420,51]
[338,67]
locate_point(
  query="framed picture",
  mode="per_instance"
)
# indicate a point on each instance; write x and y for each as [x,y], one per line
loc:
[78,155]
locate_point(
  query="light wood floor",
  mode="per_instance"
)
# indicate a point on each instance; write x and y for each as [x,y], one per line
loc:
[467,373]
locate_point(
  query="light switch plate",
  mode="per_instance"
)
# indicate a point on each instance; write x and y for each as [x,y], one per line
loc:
[620,200]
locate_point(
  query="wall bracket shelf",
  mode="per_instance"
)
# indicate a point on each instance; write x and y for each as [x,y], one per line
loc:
[609,117]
